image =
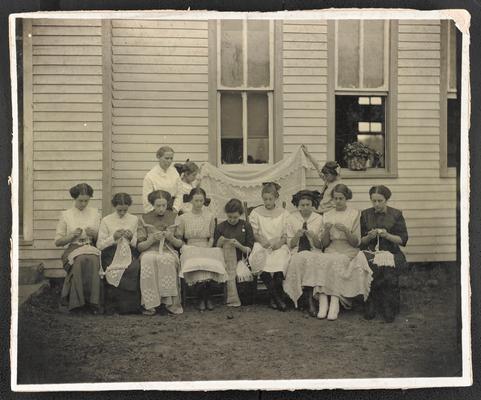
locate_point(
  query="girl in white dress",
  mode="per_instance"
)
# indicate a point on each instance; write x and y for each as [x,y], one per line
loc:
[303,235]
[341,238]
[270,254]
[188,176]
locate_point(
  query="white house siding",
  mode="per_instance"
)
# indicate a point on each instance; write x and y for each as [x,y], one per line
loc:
[160,96]
[428,201]
[67,125]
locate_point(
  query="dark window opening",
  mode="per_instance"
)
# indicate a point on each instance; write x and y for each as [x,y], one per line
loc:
[361,119]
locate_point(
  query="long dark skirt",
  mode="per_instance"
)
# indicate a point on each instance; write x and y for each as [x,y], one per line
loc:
[125,298]
[82,284]
[385,296]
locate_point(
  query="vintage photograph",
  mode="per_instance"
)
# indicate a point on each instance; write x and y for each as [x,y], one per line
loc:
[231,198]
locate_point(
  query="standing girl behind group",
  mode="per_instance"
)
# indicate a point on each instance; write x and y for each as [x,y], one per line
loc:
[270,255]
[188,175]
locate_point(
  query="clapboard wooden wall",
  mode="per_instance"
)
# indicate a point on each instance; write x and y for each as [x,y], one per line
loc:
[66,61]
[160,96]
[159,85]
[427,200]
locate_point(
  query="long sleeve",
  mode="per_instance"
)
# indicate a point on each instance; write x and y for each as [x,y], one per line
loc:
[218,233]
[61,230]
[105,237]
[400,229]
[141,231]
[147,188]
[180,230]
[254,221]
[179,196]
[356,227]
[291,228]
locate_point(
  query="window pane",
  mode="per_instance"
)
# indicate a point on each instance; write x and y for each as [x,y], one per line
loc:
[348,54]
[452,56]
[257,128]
[231,128]
[454,128]
[258,72]
[363,123]
[373,54]
[231,53]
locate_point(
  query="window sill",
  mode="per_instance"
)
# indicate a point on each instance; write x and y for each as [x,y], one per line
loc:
[368,174]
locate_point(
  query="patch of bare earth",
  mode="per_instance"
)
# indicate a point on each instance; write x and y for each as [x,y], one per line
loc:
[251,342]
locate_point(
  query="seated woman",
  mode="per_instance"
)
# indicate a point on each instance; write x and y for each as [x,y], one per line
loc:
[117,239]
[340,238]
[383,230]
[303,230]
[236,237]
[77,229]
[201,264]
[270,254]
[159,261]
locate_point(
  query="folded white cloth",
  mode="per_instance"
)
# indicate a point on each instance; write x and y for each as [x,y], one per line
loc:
[121,261]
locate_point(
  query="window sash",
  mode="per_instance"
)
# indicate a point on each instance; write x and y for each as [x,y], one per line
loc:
[245,129]
[245,49]
[451,60]
[362,43]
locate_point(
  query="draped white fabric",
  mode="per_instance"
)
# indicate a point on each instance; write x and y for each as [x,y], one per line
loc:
[222,185]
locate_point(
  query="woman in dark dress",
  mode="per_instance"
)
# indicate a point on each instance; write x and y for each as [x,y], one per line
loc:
[117,240]
[236,237]
[383,231]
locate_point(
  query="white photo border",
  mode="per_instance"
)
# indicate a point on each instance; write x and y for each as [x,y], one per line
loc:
[462,20]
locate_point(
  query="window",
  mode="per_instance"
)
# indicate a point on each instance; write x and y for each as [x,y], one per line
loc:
[450,104]
[245,84]
[361,89]
[453,100]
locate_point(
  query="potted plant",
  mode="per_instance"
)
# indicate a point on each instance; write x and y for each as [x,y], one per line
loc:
[356,155]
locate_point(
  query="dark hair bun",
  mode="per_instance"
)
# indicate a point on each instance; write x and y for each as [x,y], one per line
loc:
[81,189]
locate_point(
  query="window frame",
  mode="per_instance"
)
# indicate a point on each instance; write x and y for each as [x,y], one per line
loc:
[389,90]
[446,92]
[216,89]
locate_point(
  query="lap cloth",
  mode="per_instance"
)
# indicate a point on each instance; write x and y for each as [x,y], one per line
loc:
[328,273]
[199,264]
[82,283]
[268,260]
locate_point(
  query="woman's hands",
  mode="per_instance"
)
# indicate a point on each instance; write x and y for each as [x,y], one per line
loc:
[75,234]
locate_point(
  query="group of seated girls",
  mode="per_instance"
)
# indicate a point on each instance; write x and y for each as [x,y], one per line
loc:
[327,258]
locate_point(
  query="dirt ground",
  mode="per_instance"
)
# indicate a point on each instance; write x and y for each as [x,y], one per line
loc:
[251,342]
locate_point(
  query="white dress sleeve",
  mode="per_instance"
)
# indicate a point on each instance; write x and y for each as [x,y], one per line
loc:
[61,230]
[254,221]
[147,188]
[105,238]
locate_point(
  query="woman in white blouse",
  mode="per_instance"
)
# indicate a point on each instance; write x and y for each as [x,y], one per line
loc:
[77,229]
[270,254]
[163,176]
[118,241]
[303,235]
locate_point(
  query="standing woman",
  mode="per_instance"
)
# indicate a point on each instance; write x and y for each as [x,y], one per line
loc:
[201,263]
[117,240]
[330,175]
[163,176]
[270,254]
[383,230]
[159,262]
[77,229]
[303,231]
